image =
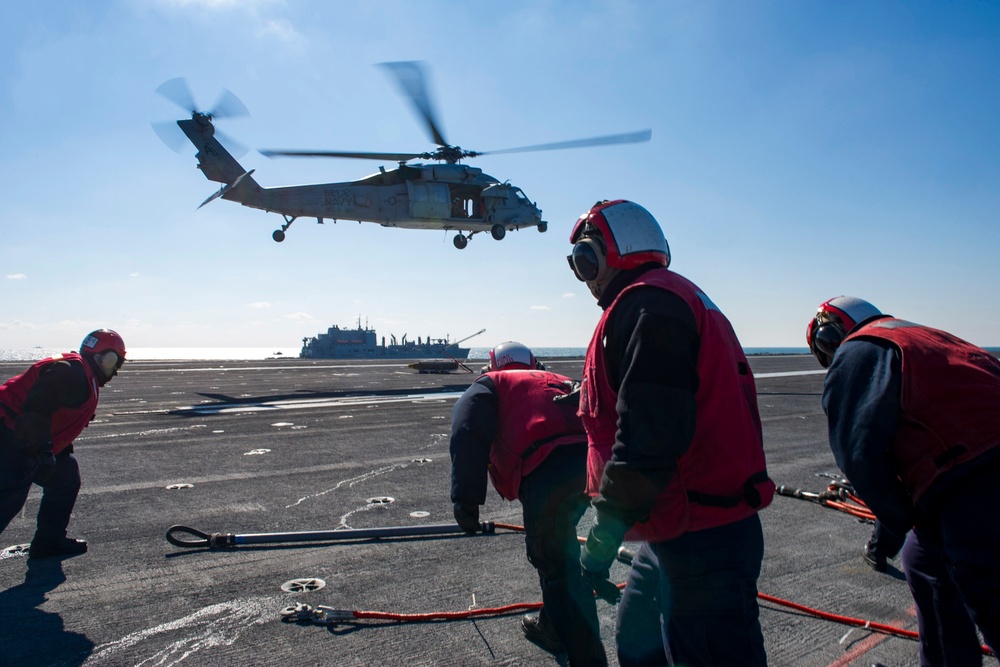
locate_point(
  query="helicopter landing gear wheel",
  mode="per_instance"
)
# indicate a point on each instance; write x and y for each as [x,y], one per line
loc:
[460,241]
[498,231]
[543,226]
[279,234]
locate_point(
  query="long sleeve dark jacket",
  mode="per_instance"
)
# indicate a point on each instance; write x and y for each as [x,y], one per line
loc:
[651,349]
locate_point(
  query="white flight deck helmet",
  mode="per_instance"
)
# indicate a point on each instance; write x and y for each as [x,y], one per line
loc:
[512,356]
[615,236]
[835,319]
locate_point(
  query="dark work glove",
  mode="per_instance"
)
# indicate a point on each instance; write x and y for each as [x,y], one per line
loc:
[603,587]
[467,517]
[44,468]
[596,558]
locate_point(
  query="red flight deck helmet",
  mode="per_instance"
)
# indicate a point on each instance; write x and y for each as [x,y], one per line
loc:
[106,348]
[835,319]
[629,236]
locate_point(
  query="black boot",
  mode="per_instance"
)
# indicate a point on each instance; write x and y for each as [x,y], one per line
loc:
[874,559]
[65,546]
[537,630]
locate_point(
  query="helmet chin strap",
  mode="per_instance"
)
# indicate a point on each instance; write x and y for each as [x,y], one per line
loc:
[598,286]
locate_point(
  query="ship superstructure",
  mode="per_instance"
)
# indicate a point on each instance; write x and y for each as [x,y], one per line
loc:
[362,342]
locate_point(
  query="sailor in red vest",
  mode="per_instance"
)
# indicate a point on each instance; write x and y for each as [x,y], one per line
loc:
[676,455]
[913,423]
[42,411]
[534,448]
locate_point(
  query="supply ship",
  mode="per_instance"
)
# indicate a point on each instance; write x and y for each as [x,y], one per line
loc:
[362,343]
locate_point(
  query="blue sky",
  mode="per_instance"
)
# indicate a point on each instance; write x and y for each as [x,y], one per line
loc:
[800,150]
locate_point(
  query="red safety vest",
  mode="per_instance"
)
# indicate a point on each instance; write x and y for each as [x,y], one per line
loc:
[67,423]
[531,425]
[722,477]
[949,403]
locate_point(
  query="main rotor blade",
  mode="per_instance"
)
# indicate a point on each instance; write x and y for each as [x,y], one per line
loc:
[178,92]
[394,157]
[410,77]
[629,138]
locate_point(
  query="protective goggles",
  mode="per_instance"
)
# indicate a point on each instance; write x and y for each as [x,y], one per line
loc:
[587,259]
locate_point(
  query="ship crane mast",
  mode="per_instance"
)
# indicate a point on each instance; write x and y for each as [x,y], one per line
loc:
[468,337]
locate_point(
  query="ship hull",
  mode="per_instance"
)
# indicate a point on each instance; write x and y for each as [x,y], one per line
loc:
[421,352]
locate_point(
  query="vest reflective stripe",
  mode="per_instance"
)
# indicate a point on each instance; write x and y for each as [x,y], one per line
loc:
[530,425]
[722,477]
[949,401]
[67,423]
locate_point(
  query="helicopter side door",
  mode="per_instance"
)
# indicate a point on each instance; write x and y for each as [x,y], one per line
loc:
[429,200]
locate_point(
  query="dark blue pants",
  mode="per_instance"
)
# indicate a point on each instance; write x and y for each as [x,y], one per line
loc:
[962,534]
[947,634]
[59,490]
[695,598]
[553,498]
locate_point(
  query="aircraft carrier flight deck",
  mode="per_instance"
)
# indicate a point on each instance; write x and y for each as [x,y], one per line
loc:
[287,445]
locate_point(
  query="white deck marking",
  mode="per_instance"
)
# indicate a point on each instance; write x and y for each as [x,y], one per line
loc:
[788,374]
[215,625]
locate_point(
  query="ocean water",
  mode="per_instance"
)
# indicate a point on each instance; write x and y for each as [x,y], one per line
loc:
[253,353]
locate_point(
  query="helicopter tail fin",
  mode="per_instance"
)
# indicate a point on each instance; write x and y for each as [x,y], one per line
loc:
[213,159]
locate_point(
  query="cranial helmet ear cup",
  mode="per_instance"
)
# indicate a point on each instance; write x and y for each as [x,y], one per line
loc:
[107,361]
[602,260]
[827,339]
[590,259]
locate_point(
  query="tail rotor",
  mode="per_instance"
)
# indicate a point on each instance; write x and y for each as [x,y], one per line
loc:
[228,106]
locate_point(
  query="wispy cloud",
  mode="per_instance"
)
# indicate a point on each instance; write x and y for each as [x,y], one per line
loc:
[16,325]
[16,276]
[569,295]
[540,308]
[217,4]
[299,316]
[280,28]
[259,305]
[76,326]
[260,13]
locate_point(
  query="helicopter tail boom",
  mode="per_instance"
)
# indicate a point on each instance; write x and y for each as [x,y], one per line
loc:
[216,162]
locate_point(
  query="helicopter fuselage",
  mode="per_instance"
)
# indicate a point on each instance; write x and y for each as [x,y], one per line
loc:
[447,196]
[413,196]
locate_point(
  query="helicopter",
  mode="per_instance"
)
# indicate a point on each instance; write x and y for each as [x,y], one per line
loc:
[444,195]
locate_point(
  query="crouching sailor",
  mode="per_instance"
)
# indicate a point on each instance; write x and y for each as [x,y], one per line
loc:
[42,411]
